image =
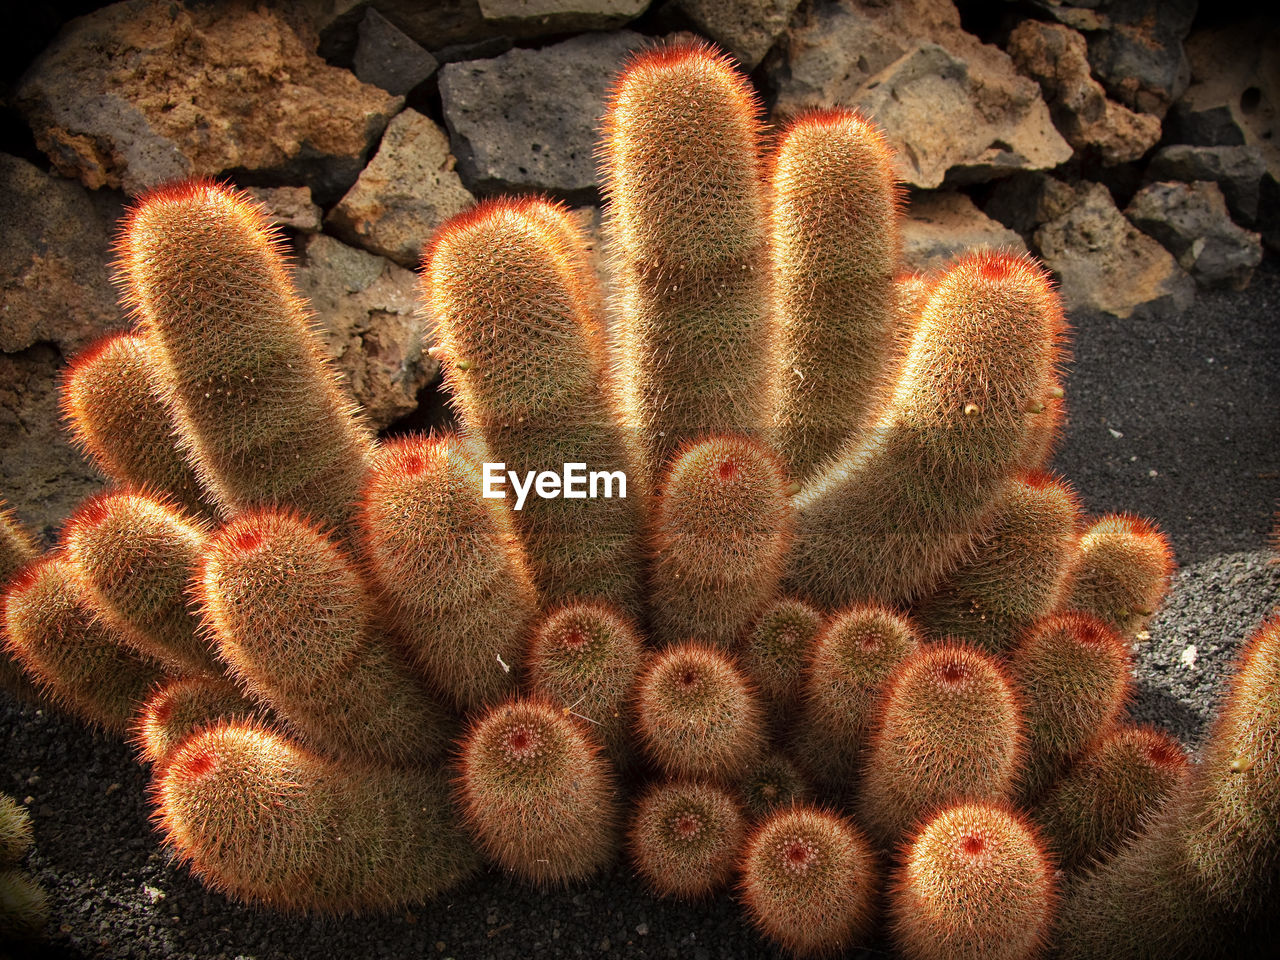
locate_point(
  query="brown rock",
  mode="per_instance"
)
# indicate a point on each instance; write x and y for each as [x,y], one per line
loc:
[746,28]
[55,284]
[1106,264]
[290,207]
[1056,57]
[562,15]
[145,91]
[940,226]
[1026,200]
[408,189]
[1137,54]
[950,104]
[366,309]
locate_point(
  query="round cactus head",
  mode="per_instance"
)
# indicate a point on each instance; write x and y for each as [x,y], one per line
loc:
[1122,572]
[685,838]
[775,651]
[771,783]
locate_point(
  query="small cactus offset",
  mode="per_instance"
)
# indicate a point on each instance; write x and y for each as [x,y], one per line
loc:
[17,549]
[24,906]
[775,652]
[1122,572]
[770,783]
[181,707]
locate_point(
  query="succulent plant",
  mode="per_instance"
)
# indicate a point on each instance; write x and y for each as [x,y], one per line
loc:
[24,906]
[1122,571]
[685,837]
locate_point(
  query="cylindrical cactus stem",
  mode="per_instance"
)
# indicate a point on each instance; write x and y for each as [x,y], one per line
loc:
[835,248]
[183,706]
[113,399]
[1018,573]
[1230,829]
[687,208]
[722,526]
[858,650]
[16,835]
[136,556]
[52,631]
[1103,799]
[894,514]
[261,412]
[523,354]
[810,881]
[265,821]
[292,620]
[697,716]
[685,838]
[771,783]
[24,907]
[17,549]
[537,794]
[950,729]
[975,884]
[775,653]
[1122,572]
[457,589]
[584,658]
[1073,672]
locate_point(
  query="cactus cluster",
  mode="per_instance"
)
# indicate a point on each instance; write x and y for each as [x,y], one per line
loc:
[843,646]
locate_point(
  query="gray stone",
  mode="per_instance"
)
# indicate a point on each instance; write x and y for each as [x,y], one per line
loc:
[290,207]
[408,189]
[1026,200]
[1191,221]
[366,310]
[951,106]
[1139,57]
[563,15]
[940,226]
[145,91]
[746,28]
[55,283]
[1237,170]
[528,119]
[1107,265]
[386,58]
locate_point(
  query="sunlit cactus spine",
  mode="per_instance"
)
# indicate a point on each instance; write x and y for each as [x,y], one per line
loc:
[24,907]
[1122,572]
[16,835]
[722,526]
[950,729]
[858,650]
[17,549]
[1073,672]
[457,589]
[52,631]
[685,838]
[136,556]
[975,884]
[697,716]
[537,794]
[265,821]
[523,354]
[810,881]
[1018,573]
[585,657]
[775,652]
[835,249]
[293,622]
[113,400]
[261,412]
[893,514]
[687,208]
[1103,799]
[771,783]
[182,706]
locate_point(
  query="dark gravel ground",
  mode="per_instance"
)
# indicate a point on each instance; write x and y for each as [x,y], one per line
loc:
[1173,417]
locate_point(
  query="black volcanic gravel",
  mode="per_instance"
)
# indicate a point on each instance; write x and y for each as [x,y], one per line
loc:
[1172,416]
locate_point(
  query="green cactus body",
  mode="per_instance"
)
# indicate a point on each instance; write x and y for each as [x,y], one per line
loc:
[895,513]
[835,249]
[974,884]
[537,794]
[183,706]
[687,209]
[51,630]
[722,525]
[772,783]
[696,715]
[950,729]
[292,621]
[1018,573]
[1122,572]
[522,350]
[261,412]
[113,399]
[1073,673]
[458,591]
[16,835]
[1122,780]
[17,549]
[809,881]
[855,655]
[685,838]
[137,555]
[585,657]
[265,821]
[775,652]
